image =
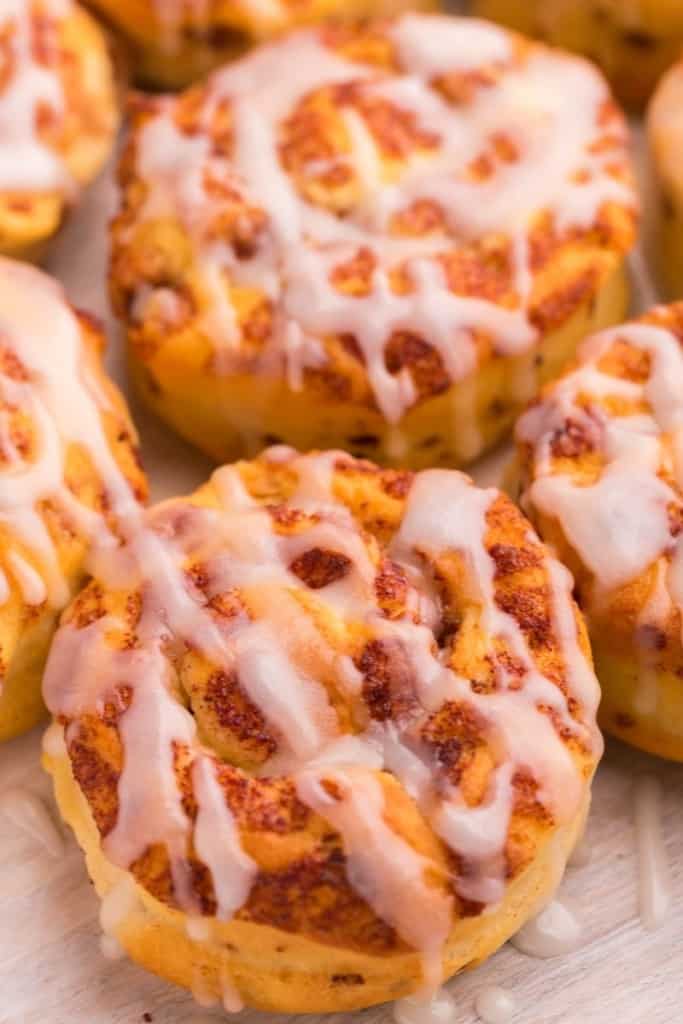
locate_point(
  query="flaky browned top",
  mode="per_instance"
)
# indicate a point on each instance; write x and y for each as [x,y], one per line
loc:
[417,197]
[316,655]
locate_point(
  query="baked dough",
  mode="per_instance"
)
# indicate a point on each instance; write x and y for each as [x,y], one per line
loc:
[600,475]
[172,43]
[324,731]
[665,132]
[387,254]
[62,423]
[633,42]
[58,117]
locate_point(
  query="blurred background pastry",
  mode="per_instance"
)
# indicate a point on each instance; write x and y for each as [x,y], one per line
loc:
[58,117]
[173,43]
[389,253]
[665,133]
[326,732]
[634,42]
[600,473]
[63,428]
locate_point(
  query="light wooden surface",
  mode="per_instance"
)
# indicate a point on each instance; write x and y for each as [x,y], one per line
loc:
[51,969]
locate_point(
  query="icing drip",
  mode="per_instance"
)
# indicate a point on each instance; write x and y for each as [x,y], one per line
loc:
[217,843]
[654,885]
[53,741]
[554,932]
[118,903]
[28,813]
[547,108]
[231,1001]
[494,1006]
[31,89]
[353,803]
[198,929]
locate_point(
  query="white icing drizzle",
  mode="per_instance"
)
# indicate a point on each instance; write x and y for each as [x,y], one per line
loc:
[619,525]
[547,106]
[26,161]
[53,741]
[356,812]
[654,884]
[118,903]
[198,929]
[28,812]
[494,1005]
[29,580]
[217,843]
[554,932]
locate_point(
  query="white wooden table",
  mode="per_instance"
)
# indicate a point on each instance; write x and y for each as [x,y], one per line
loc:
[51,968]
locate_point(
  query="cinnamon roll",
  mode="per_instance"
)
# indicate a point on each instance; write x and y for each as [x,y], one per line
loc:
[325,732]
[665,132]
[64,430]
[600,474]
[58,116]
[387,253]
[173,43]
[633,42]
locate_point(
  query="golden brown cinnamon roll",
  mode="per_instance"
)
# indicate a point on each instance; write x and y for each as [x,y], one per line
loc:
[58,116]
[632,42]
[64,430]
[174,43]
[600,474]
[324,731]
[388,253]
[665,132]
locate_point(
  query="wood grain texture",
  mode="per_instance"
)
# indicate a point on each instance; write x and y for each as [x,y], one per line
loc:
[51,969]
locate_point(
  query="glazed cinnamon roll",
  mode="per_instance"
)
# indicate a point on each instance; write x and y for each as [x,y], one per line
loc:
[634,43]
[173,43]
[600,474]
[325,732]
[388,253]
[58,116]
[64,431]
[665,131]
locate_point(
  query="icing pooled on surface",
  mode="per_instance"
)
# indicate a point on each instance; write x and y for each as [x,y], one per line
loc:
[554,932]
[494,1005]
